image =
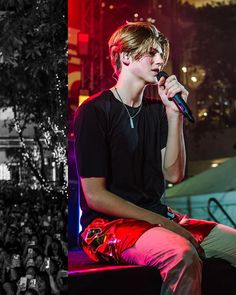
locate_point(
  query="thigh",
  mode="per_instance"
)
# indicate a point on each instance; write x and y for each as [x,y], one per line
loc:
[157,247]
[221,243]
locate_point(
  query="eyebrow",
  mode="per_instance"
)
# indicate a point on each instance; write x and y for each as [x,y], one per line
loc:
[157,49]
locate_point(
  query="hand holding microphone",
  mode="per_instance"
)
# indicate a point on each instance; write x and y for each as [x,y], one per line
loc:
[178,100]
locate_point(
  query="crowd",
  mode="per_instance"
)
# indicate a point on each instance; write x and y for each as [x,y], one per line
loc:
[33,247]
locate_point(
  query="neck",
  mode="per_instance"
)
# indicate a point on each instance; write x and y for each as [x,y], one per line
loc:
[130,92]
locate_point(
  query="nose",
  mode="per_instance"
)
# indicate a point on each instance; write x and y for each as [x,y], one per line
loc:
[158,61]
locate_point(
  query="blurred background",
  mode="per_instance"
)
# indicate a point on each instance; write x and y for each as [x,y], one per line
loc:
[33,147]
[202,55]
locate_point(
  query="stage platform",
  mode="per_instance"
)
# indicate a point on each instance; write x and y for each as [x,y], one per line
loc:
[87,277]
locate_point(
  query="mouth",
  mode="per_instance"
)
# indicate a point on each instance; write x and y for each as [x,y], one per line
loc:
[156,71]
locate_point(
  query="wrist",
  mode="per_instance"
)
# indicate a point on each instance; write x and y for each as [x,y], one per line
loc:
[173,115]
[157,219]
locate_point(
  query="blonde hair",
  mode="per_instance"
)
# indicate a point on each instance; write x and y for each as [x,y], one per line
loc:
[136,39]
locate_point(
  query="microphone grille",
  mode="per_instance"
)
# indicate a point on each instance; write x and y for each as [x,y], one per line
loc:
[162,74]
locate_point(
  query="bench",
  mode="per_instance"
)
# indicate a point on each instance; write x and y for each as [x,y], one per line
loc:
[87,277]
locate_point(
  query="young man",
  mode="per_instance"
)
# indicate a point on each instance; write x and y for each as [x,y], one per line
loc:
[126,147]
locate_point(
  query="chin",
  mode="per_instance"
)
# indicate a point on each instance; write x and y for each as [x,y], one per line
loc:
[152,81]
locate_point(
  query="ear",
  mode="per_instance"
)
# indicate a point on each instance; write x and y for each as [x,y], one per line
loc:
[125,58]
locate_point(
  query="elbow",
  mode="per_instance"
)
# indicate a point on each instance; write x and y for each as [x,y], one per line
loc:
[93,200]
[94,189]
[175,178]
[174,174]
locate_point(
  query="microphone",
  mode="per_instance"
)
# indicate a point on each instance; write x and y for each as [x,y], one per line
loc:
[178,100]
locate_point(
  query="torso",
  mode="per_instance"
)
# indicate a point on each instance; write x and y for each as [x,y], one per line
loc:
[133,155]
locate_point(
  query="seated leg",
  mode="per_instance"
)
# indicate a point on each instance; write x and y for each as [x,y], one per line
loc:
[175,258]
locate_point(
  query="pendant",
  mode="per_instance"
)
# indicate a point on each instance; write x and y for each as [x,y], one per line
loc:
[131,123]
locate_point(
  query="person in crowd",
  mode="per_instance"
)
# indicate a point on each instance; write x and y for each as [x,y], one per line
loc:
[23,246]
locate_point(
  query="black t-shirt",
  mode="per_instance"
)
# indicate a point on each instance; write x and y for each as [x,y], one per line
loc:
[129,159]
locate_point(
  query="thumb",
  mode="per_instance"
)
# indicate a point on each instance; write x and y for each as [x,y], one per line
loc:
[161,82]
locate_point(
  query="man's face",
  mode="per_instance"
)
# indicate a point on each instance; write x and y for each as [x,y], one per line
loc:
[11,235]
[148,66]
[38,261]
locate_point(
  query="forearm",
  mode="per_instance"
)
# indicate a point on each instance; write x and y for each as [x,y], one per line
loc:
[101,200]
[175,155]
[111,204]
[108,203]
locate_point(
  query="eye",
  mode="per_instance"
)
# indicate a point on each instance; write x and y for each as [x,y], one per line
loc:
[160,65]
[152,52]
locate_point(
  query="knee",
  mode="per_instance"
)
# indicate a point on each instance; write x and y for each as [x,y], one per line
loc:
[189,256]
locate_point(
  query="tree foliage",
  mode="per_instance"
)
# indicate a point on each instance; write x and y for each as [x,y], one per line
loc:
[33,47]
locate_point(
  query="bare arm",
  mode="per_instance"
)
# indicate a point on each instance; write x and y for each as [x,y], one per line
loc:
[173,155]
[102,200]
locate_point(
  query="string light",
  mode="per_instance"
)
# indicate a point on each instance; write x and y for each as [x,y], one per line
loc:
[48,138]
[59,154]
[27,158]
[53,133]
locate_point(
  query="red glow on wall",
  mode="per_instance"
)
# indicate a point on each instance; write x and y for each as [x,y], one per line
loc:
[83,37]
[83,42]
[73,13]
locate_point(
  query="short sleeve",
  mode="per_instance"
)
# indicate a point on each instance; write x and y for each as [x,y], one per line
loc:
[90,141]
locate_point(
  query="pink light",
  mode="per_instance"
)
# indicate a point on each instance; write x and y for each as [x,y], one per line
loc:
[98,269]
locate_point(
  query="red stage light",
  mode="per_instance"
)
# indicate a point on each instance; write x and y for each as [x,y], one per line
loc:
[73,13]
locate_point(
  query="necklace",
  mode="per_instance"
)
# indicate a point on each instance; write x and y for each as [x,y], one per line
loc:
[130,117]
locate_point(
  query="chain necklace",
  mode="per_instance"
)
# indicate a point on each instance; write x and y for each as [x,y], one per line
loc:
[130,117]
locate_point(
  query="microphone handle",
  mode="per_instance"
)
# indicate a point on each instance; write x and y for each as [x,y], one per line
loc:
[183,107]
[178,100]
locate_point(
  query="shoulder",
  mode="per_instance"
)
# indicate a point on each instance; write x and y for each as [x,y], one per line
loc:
[93,111]
[96,102]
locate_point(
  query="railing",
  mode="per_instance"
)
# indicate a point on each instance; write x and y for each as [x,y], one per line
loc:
[211,200]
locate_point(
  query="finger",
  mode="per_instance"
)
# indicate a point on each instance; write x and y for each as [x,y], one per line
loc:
[199,249]
[170,84]
[161,82]
[184,96]
[171,78]
[173,90]
[194,242]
